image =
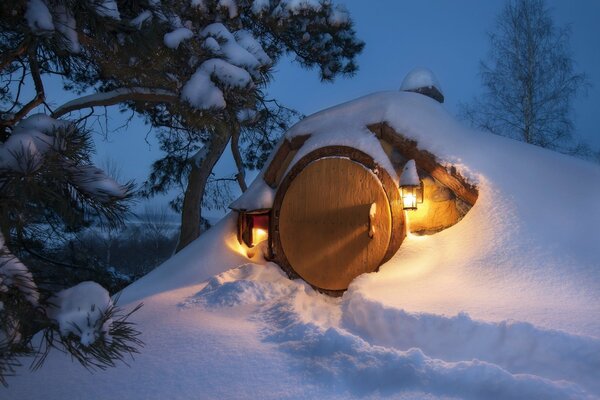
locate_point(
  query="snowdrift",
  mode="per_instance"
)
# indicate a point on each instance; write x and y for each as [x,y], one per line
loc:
[505,304]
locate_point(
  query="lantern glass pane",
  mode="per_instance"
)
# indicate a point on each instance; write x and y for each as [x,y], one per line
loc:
[409,197]
[259,235]
[260,228]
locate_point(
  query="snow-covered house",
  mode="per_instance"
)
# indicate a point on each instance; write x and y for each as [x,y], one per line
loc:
[504,304]
[340,191]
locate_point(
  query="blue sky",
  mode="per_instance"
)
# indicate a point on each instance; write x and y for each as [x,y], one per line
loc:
[449,37]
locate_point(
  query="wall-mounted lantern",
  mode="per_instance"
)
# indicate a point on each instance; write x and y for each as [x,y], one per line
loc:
[411,186]
[253,227]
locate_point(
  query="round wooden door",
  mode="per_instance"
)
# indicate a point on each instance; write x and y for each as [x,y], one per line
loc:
[334,222]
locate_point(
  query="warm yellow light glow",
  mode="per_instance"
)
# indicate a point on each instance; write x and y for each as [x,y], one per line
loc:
[259,235]
[409,200]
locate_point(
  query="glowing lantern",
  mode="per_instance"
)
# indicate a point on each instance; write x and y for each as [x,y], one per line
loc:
[411,186]
[253,227]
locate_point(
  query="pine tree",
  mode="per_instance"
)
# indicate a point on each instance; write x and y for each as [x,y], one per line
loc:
[210,62]
[195,69]
[49,189]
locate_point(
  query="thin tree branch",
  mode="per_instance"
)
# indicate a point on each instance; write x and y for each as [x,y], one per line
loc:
[40,96]
[235,150]
[19,87]
[54,262]
[115,97]
[9,57]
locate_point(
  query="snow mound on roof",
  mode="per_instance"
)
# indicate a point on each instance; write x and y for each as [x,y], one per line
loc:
[420,78]
[413,115]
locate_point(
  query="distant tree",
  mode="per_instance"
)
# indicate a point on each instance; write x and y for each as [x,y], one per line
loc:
[529,79]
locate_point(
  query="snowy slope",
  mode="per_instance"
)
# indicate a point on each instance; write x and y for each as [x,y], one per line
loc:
[505,304]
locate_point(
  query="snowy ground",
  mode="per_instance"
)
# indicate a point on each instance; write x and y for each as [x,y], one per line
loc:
[249,332]
[505,304]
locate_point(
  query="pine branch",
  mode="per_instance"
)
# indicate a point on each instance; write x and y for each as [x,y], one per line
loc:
[10,56]
[40,96]
[136,94]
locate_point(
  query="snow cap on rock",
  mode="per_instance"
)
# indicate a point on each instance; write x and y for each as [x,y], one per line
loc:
[423,81]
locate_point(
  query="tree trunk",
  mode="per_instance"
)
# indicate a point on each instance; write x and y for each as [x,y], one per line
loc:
[237,157]
[202,166]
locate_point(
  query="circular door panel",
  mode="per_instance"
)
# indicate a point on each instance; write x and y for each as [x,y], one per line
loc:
[334,223]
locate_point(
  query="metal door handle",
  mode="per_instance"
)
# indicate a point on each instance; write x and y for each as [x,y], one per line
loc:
[372,212]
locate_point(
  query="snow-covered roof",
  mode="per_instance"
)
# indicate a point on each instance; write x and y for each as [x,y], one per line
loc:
[413,115]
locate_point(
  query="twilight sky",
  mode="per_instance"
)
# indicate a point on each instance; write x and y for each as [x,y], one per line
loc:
[449,37]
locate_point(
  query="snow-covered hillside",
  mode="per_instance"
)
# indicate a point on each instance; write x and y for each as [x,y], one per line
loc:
[505,304]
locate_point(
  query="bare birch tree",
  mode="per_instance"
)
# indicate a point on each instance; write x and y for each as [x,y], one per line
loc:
[529,79]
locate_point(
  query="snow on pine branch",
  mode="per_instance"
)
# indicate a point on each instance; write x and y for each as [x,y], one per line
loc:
[285,8]
[240,48]
[142,17]
[31,139]
[14,274]
[242,57]
[37,137]
[39,17]
[44,19]
[107,8]
[67,26]
[80,311]
[201,92]
[232,55]
[174,38]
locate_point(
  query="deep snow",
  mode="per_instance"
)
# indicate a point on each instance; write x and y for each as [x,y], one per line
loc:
[505,304]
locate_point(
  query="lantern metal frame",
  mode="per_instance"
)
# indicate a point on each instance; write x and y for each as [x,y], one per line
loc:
[249,222]
[417,193]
